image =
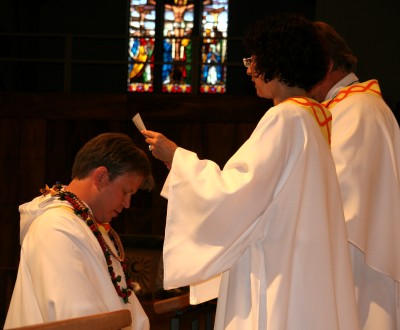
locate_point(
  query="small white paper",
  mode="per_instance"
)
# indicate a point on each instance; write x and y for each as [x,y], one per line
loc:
[137,120]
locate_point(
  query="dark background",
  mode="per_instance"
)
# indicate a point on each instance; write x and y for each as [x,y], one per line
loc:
[63,81]
[371,27]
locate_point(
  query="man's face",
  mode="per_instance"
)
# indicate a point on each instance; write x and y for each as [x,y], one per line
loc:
[114,196]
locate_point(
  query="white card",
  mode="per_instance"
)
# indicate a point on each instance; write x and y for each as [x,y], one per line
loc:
[137,120]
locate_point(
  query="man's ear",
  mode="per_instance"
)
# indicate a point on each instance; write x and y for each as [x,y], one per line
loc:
[100,176]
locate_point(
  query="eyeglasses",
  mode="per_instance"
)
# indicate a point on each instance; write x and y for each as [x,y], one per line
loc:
[247,61]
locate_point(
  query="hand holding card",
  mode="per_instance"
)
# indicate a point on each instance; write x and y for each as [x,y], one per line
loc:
[137,120]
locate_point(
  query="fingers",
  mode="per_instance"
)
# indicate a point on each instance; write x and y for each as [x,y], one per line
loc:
[154,138]
[149,138]
[151,134]
[161,147]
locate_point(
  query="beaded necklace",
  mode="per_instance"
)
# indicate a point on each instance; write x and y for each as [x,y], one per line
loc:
[82,211]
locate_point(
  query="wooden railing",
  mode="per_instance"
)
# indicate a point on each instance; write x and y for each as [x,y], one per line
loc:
[105,321]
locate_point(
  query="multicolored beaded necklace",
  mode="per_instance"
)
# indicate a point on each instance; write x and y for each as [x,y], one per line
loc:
[82,211]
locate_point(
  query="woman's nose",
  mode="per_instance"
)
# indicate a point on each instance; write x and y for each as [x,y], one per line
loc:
[249,72]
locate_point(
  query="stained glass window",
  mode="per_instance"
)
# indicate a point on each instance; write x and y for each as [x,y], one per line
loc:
[192,51]
[214,47]
[141,46]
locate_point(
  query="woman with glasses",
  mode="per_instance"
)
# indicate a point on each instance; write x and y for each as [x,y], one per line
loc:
[266,233]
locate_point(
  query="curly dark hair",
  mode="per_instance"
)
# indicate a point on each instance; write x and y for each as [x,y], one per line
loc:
[286,47]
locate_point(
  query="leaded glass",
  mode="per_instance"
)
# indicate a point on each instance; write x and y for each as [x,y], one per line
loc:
[177,55]
[178,66]
[214,47]
[141,46]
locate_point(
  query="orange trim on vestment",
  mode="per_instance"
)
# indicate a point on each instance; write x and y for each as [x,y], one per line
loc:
[322,115]
[369,86]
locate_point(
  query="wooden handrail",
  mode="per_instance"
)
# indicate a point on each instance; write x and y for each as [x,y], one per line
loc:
[104,321]
[171,304]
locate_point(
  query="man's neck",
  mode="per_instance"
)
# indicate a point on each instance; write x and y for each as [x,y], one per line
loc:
[342,81]
[81,188]
[320,91]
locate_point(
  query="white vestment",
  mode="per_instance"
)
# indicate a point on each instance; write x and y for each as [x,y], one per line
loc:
[271,222]
[63,272]
[366,150]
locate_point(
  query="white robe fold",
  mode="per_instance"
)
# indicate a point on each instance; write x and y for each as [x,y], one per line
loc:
[271,222]
[366,150]
[63,272]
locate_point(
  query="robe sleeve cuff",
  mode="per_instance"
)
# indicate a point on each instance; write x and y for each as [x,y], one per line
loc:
[205,291]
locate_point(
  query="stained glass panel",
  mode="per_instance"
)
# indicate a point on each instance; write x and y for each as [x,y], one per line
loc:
[178,66]
[142,25]
[214,47]
[177,55]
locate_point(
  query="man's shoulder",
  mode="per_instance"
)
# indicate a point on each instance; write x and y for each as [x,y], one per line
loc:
[60,217]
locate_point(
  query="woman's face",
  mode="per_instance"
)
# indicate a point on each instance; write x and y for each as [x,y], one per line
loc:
[264,89]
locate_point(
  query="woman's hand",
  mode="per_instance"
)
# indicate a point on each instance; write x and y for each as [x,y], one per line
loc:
[161,147]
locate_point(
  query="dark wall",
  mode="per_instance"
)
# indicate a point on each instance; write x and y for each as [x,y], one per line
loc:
[57,20]
[56,16]
[372,30]
[241,15]
[40,132]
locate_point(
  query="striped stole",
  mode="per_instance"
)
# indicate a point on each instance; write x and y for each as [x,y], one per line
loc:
[370,87]
[321,115]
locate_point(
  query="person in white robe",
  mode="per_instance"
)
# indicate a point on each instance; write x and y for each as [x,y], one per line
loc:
[266,233]
[64,272]
[366,151]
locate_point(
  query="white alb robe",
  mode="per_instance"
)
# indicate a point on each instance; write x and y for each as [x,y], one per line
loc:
[271,222]
[366,150]
[63,272]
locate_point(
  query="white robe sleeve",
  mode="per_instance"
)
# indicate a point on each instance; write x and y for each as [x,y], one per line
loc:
[205,291]
[212,213]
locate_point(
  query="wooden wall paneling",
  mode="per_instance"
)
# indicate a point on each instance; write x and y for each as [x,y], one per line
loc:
[32,157]
[60,151]
[243,132]
[220,142]
[9,237]
[8,276]
[64,139]
[9,220]
[9,255]
[22,171]
[139,218]
[9,159]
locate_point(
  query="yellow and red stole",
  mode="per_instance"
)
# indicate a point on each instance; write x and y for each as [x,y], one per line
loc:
[322,115]
[369,86]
